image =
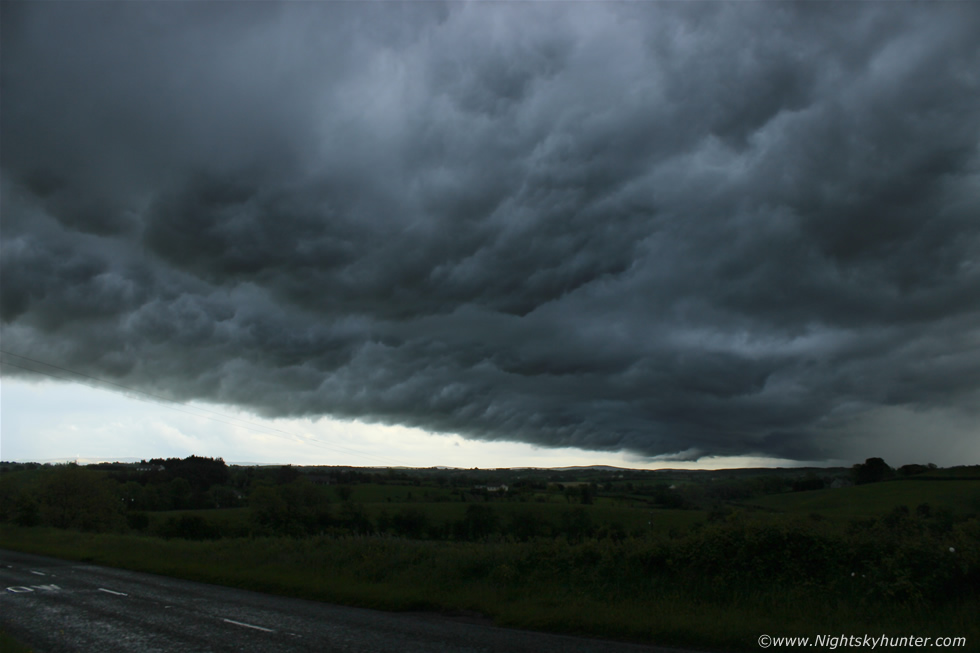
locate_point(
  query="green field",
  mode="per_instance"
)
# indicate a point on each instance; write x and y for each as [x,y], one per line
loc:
[632,520]
[385,500]
[379,493]
[867,501]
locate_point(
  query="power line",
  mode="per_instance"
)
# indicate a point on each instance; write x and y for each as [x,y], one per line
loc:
[169,403]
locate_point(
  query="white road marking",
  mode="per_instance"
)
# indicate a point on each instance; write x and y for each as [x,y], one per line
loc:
[18,589]
[239,623]
[102,589]
[46,588]
[39,573]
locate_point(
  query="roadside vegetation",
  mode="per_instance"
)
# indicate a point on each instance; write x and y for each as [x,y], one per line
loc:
[8,644]
[697,559]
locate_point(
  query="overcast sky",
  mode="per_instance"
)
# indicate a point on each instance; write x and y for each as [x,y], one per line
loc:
[642,233]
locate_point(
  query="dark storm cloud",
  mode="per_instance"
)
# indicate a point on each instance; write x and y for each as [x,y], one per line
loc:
[675,230]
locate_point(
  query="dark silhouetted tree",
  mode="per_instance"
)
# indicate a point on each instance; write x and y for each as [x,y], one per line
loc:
[871,471]
[75,498]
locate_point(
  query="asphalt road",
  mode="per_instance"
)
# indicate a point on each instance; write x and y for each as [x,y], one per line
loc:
[59,605]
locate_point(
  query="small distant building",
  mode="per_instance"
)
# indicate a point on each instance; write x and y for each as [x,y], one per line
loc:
[150,468]
[492,488]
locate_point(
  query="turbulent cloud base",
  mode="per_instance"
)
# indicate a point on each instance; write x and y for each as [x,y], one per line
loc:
[673,230]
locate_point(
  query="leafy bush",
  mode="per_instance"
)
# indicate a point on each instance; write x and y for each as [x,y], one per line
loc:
[410,522]
[73,498]
[138,521]
[296,509]
[188,527]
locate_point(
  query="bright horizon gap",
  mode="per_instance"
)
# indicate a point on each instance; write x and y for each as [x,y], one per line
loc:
[101,425]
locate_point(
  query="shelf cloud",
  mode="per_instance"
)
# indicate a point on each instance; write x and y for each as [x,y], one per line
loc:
[671,230]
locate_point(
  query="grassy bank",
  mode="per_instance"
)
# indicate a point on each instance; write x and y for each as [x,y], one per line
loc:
[709,590]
